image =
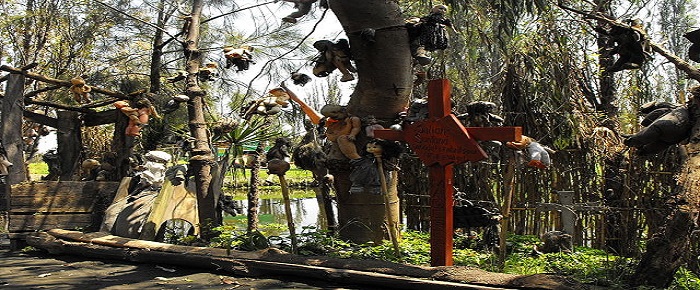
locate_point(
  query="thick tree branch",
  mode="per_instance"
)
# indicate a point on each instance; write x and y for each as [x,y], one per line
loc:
[58,82]
[39,91]
[58,106]
[681,64]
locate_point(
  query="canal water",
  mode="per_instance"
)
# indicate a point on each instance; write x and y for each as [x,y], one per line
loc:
[305,210]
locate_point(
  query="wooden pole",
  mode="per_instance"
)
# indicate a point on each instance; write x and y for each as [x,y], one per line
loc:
[288,211]
[508,190]
[279,167]
[392,225]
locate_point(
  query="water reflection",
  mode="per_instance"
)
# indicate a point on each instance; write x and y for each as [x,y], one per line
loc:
[306,211]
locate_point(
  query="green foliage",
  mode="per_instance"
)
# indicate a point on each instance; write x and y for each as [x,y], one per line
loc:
[231,238]
[685,280]
[585,265]
[294,175]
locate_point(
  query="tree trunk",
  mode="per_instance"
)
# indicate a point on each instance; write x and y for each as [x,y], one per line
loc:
[361,216]
[377,92]
[613,179]
[11,135]
[70,143]
[202,157]
[157,54]
[668,250]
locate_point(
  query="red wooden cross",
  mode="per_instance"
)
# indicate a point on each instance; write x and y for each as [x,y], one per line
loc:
[441,141]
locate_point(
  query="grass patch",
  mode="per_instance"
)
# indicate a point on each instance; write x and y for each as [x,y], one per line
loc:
[39,168]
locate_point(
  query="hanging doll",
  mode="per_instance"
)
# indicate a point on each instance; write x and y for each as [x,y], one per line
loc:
[5,164]
[240,57]
[428,33]
[134,124]
[269,105]
[138,116]
[632,44]
[300,78]
[694,49]
[209,72]
[371,124]
[303,7]
[666,124]
[538,154]
[332,56]
[81,91]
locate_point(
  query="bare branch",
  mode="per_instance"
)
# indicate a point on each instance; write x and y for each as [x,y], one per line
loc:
[681,64]
[134,18]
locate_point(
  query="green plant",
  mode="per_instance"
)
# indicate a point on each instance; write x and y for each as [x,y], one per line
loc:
[685,279]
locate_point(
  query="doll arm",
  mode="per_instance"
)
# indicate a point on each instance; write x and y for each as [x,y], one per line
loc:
[314,115]
[356,127]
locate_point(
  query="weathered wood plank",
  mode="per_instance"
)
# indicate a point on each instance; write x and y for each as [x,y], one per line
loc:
[64,188]
[247,267]
[70,143]
[35,222]
[55,204]
[65,204]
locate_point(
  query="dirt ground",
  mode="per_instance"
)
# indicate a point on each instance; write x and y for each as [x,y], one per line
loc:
[39,270]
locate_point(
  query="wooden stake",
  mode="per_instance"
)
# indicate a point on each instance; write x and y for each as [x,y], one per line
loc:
[392,225]
[508,189]
[288,212]
[279,167]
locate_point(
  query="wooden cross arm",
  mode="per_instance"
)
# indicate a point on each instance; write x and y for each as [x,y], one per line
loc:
[388,134]
[504,134]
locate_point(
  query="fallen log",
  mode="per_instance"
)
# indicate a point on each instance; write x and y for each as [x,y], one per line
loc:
[277,262]
[243,267]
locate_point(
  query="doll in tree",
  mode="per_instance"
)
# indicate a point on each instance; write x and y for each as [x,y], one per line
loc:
[81,91]
[209,72]
[300,79]
[133,128]
[342,128]
[5,164]
[631,44]
[538,154]
[694,49]
[138,115]
[303,7]
[269,105]
[240,57]
[481,114]
[371,123]
[665,124]
[428,33]
[332,56]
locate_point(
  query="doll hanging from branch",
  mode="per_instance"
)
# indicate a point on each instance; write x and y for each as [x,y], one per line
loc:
[332,56]
[80,91]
